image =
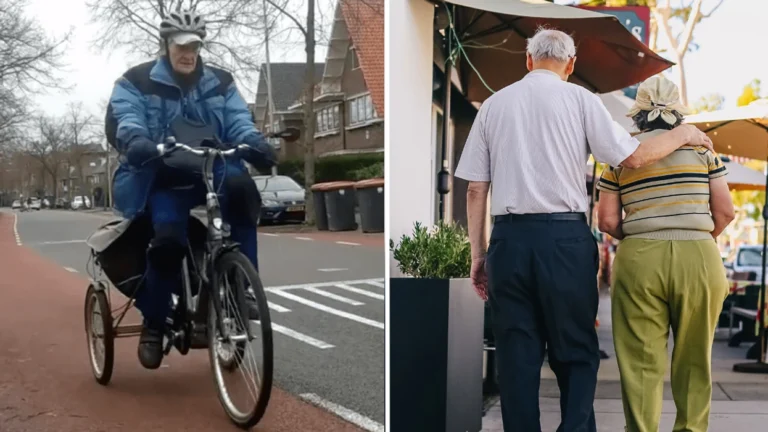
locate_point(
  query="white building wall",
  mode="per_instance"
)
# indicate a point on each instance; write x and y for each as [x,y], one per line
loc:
[410,180]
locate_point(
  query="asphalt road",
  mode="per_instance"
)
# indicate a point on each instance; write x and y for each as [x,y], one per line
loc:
[327,303]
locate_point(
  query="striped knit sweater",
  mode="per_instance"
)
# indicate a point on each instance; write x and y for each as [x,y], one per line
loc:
[668,200]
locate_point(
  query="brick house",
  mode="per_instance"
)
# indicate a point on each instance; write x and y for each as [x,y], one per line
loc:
[287,87]
[349,101]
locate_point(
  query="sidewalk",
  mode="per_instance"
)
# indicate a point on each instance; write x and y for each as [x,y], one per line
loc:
[739,401]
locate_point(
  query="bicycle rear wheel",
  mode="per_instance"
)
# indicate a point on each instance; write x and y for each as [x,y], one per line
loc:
[233,356]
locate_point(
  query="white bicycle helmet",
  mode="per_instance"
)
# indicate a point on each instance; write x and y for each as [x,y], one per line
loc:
[183,22]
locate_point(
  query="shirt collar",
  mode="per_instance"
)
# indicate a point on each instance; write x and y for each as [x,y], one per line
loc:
[543,72]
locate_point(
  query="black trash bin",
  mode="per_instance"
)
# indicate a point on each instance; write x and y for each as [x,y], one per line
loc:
[370,197]
[340,206]
[321,214]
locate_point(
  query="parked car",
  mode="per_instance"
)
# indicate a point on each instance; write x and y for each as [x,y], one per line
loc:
[62,203]
[744,259]
[16,205]
[282,199]
[81,202]
[35,204]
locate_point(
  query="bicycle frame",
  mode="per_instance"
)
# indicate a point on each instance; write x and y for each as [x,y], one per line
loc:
[217,242]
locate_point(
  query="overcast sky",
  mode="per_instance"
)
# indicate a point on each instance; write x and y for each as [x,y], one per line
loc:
[94,74]
[728,57]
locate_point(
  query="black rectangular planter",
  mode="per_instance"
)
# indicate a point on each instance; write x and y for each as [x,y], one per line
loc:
[436,356]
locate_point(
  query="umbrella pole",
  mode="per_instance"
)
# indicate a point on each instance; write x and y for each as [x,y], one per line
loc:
[760,366]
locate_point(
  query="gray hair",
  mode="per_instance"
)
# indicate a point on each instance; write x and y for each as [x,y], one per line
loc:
[549,44]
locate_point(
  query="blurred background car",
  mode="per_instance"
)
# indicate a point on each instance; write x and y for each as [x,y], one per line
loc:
[81,202]
[745,258]
[35,204]
[16,205]
[283,199]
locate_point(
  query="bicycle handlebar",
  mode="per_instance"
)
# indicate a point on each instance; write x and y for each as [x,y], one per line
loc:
[203,151]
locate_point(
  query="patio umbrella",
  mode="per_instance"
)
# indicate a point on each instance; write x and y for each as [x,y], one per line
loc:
[743,131]
[492,38]
[741,178]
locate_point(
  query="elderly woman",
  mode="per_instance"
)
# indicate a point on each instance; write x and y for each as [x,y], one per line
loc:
[667,270]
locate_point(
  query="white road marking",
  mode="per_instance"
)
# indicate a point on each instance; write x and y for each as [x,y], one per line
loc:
[15,229]
[303,238]
[60,242]
[277,307]
[70,269]
[327,309]
[360,291]
[373,281]
[332,269]
[347,243]
[301,337]
[333,296]
[345,413]
[270,234]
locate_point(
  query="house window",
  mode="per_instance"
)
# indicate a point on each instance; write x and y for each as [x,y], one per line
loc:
[361,110]
[355,59]
[328,119]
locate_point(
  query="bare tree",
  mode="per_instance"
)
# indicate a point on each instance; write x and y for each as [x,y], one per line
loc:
[49,146]
[681,43]
[234,29]
[308,31]
[81,132]
[29,60]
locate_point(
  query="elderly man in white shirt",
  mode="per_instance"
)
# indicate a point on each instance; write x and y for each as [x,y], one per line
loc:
[531,141]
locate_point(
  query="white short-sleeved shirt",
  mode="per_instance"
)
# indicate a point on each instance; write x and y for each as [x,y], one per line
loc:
[532,141]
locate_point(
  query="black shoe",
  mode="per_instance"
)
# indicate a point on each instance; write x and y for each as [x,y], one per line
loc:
[151,348]
[253,307]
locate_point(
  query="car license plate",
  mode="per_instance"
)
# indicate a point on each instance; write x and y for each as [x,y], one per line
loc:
[296,208]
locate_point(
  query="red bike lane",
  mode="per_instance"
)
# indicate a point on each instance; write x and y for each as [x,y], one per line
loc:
[46,382]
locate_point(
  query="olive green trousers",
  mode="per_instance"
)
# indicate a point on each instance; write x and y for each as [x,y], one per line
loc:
[658,285]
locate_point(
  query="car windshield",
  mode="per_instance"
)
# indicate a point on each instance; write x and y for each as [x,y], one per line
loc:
[751,257]
[277,183]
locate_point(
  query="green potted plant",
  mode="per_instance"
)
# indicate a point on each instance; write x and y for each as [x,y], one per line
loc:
[436,334]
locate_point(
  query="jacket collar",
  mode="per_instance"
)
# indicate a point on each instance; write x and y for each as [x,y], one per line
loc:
[161,72]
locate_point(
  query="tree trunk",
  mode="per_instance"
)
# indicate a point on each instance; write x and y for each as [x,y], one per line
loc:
[309,114]
[681,80]
[55,179]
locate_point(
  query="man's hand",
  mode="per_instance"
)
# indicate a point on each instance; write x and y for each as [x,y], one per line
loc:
[697,138]
[479,277]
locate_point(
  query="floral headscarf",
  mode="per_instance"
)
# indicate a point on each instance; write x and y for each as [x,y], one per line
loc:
[660,97]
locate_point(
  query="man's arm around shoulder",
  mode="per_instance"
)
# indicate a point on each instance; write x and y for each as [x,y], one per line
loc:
[658,147]
[611,144]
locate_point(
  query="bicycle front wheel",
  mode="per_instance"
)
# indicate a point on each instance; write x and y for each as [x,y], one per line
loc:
[241,364]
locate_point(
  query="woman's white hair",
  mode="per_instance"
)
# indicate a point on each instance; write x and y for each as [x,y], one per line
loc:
[549,44]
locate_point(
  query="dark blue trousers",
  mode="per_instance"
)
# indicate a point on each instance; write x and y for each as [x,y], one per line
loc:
[543,293]
[169,207]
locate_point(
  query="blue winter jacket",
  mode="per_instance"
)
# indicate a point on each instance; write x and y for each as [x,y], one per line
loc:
[140,126]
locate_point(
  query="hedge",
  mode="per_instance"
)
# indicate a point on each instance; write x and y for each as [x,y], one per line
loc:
[335,168]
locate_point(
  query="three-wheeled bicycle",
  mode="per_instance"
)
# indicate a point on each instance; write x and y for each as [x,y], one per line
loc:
[209,310]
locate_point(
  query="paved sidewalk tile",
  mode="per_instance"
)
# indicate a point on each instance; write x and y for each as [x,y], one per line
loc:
[726,416]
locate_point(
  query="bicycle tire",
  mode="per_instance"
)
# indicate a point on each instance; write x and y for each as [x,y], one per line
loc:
[97,298]
[227,261]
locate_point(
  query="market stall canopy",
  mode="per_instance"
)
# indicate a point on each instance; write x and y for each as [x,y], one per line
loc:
[493,35]
[618,106]
[740,131]
[741,178]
